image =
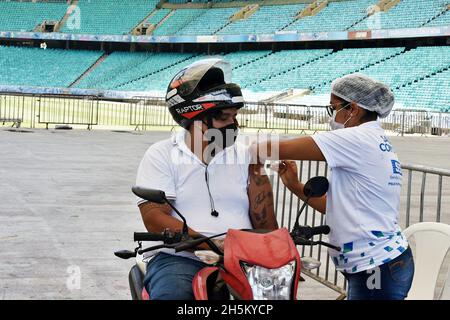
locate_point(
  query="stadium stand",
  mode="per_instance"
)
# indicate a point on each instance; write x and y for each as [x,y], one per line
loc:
[442,18]
[337,16]
[419,77]
[406,14]
[114,65]
[430,93]
[178,20]
[411,65]
[129,71]
[110,16]
[267,19]
[158,16]
[281,62]
[321,72]
[121,17]
[45,68]
[157,79]
[210,22]
[26,16]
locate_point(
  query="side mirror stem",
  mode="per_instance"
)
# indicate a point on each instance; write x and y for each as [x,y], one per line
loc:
[296,224]
[185,227]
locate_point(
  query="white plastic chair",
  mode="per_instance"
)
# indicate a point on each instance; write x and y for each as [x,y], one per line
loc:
[432,241]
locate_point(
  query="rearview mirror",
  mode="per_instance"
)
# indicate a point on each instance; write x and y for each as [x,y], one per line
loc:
[151,195]
[316,187]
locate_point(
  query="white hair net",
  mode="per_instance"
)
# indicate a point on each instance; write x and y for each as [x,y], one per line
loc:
[369,94]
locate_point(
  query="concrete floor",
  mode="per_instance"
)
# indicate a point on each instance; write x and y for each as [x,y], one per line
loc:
[66,206]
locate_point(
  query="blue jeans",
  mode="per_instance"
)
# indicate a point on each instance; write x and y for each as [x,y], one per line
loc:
[390,281]
[169,277]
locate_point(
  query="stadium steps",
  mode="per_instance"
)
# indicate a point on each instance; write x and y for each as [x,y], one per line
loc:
[117,72]
[253,60]
[145,19]
[63,20]
[157,71]
[358,22]
[89,70]
[444,11]
[171,13]
[223,27]
[319,85]
[287,70]
[288,25]
[180,27]
[421,78]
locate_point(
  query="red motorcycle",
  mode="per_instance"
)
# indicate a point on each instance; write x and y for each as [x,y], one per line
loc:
[267,269]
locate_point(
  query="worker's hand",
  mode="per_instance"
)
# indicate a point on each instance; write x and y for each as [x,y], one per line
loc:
[288,173]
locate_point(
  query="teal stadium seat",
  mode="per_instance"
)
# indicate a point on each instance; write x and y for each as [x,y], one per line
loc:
[43,68]
[26,16]
[178,20]
[268,19]
[208,23]
[157,16]
[337,16]
[322,71]
[406,14]
[110,16]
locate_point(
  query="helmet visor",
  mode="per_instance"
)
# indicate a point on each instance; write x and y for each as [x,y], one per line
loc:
[189,77]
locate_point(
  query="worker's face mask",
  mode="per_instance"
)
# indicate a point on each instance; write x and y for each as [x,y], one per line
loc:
[337,125]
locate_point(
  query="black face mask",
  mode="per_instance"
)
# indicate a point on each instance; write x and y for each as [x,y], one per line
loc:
[229,135]
[223,137]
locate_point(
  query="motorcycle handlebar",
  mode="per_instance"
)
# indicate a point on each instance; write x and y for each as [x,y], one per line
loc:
[304,242]
[320,230]
[149,236]
[309,232]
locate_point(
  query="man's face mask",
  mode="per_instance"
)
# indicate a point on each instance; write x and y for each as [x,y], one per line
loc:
[223,137]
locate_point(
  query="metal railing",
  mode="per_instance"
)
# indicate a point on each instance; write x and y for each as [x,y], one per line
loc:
[425,196]
[143,113]
[81,110]
[12,110]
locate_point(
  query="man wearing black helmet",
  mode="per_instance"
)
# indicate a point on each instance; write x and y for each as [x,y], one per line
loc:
[207,175]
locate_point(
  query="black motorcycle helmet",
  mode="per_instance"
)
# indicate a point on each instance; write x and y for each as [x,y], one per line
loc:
[201,88]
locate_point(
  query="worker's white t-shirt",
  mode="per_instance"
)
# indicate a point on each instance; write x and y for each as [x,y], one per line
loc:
[364,196]
[170,166]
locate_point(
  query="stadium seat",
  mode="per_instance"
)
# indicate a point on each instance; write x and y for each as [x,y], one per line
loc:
[26,16]
[110,16]
[406,14]
[178,20]
[39,67]
[337,16]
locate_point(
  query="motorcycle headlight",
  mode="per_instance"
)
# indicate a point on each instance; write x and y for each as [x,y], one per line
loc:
[270,284]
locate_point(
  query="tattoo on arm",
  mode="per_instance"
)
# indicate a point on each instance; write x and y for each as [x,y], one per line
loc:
[260,194]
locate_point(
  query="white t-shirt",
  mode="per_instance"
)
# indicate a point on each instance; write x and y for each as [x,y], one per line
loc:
[170,166]
[364,196]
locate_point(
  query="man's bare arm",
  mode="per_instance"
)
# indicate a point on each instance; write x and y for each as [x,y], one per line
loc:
[262,212]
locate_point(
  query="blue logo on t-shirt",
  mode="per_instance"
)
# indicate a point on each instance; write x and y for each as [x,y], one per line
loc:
[396,167]
[386,145]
